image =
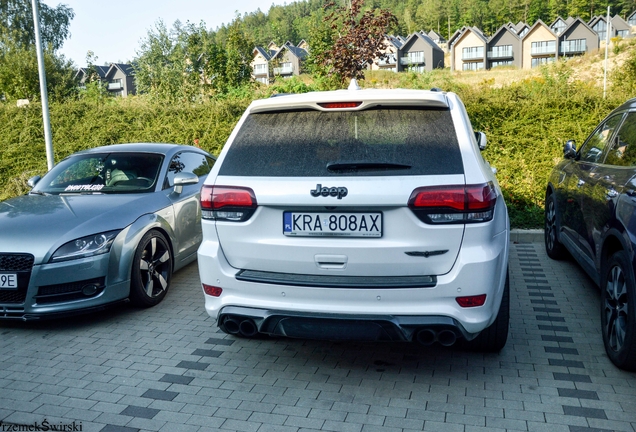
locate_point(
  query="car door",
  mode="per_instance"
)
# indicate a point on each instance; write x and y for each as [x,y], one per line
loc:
[582,177]
[187,210]
[610,182]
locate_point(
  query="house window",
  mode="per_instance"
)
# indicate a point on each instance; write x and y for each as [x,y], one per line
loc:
[559,27]
[500,51]
[601,29]
[262,80]
[523,32]
[541,60]
[284,69]
[543,47]
[115,85]
[501,63]
[473,66]
[470,53]
[416,57]
[260,68]
[574,46]
[632,20]
[622,33]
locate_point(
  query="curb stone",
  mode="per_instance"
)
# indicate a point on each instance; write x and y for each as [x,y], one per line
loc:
[526,236]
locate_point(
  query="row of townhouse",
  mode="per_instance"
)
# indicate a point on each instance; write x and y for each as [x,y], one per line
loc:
[525,47]
[284,61]
[119,78]
[418,52]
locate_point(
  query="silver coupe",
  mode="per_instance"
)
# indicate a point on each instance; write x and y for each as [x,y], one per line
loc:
[104,225]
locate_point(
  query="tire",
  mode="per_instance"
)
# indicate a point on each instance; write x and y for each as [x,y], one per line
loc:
[553,247]
[494,337]
[618,308]
[151,270]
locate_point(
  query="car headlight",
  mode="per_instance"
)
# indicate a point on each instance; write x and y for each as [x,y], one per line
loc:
[91,245]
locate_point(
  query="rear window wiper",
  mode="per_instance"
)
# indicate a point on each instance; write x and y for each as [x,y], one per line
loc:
[364,165]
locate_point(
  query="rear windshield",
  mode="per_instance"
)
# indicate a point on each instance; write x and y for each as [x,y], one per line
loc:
[308,143]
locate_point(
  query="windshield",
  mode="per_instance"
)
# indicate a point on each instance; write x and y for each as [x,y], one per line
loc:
[375,142]
[102,173]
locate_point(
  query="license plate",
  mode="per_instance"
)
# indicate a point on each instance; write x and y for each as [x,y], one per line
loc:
[8,281]
[332,224]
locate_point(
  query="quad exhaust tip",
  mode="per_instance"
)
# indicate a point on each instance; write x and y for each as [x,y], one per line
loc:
[428,337]
[245,327]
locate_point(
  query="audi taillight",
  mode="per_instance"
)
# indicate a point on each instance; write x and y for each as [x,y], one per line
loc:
[454,204]
[227,203]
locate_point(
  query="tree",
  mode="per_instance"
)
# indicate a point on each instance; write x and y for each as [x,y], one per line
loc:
[238,50]
[94,88]
[360,38]
[159,68]
[16,23]
[19,77]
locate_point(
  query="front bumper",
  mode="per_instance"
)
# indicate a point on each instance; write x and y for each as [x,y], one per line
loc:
[65,288]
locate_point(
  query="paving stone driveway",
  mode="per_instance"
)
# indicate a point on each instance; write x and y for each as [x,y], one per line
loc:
[168,369]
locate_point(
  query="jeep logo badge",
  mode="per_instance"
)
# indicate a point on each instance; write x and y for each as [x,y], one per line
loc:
[329,191]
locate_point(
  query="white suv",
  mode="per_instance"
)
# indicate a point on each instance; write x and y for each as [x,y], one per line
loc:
[357,215]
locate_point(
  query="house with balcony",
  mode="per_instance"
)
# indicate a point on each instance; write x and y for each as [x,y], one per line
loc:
[288,60]
[468,49]
[577,39]
[391,53]
[118,77]
[620,27]
[521,28]
[260,65]
[539,46]
[438,39]
[419,53]
[504,48]
[599,25]
[558,25]
[284,61]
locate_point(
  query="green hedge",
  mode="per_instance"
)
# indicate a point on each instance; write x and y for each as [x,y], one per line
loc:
[526,123]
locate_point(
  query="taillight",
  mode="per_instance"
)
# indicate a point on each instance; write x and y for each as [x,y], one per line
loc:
[471,301]
[454,204]
[227,203]
[212,290]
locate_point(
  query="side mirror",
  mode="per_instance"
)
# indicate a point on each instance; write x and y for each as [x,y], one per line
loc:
[184,179]
[569,150]
[33,181]
[481,140]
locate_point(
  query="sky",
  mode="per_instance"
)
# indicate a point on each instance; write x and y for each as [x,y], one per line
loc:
[113,30]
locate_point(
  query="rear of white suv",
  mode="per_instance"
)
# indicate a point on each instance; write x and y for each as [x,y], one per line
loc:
[356,215]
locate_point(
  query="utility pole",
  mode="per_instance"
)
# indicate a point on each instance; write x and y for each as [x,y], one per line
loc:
[43,92]
[608,29]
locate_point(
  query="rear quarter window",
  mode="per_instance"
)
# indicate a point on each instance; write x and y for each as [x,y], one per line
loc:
[303,143]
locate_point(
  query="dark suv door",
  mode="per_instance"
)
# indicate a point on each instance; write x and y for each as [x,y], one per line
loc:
[582,176]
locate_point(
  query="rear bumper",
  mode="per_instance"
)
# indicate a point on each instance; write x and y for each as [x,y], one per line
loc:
[426,330]
[480,269]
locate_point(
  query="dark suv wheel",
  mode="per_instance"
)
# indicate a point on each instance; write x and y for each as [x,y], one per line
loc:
[618,305]
[553,247]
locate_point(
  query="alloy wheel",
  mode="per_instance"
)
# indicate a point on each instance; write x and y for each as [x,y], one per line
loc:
[550,225]
[154,267]
[615,308]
